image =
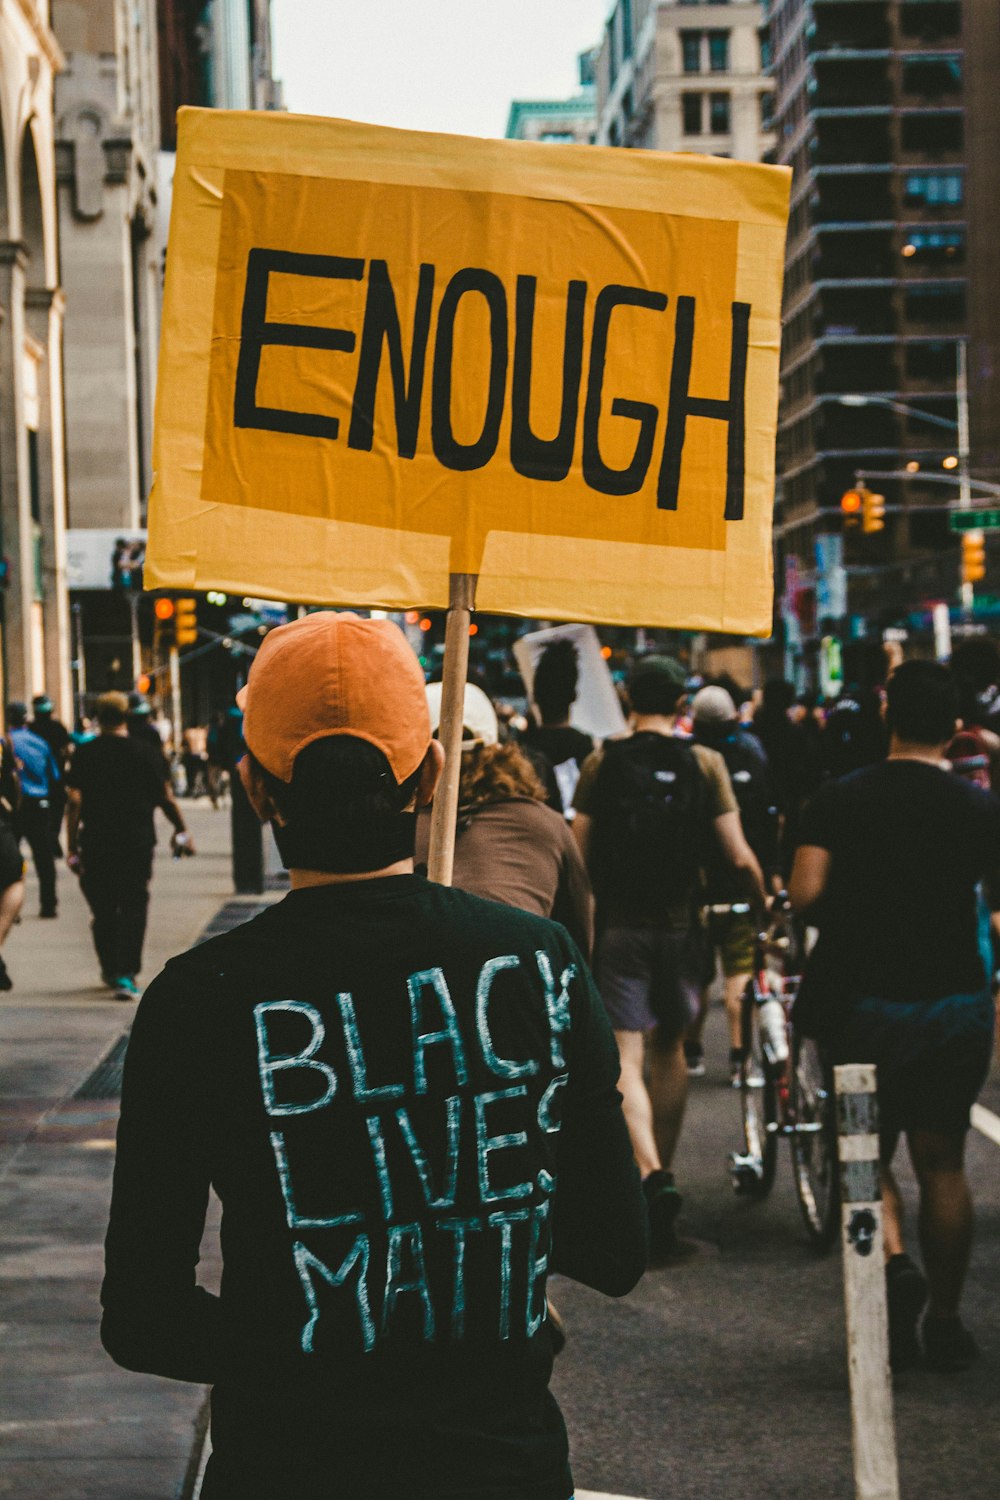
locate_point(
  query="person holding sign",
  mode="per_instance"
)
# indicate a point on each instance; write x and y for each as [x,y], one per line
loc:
[406,1099]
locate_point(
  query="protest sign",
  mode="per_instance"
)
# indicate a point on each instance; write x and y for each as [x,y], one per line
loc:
[389,358]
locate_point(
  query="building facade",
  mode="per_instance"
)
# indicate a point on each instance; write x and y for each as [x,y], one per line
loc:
[870,110]
[33,602]
[570,121]
[687,76]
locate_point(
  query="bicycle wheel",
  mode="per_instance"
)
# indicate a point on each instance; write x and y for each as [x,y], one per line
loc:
[814,1143]
[754,1171]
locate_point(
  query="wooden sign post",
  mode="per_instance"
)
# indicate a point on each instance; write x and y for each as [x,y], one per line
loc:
[461,603]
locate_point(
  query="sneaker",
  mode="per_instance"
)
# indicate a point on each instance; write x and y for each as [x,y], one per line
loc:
[737,1056]
[6,983]
[948,1345]
[125,987]
[694,1056]
[906,1293]
[663,1204]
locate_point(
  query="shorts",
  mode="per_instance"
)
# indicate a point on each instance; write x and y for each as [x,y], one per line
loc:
[649,979]
[932,1057]
[11,863]
[734,936]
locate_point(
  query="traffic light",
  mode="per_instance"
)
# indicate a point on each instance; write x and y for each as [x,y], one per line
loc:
[185,621]
[872,511]
[973,556]
[850,505]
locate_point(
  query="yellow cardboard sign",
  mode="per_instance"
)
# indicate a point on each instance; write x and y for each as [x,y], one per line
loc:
[388,356]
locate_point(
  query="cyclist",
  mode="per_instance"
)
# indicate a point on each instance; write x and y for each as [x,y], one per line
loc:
[730,934]
[890,861]
[649,810]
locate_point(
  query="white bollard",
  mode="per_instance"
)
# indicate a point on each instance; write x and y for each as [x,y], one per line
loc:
[876,1473]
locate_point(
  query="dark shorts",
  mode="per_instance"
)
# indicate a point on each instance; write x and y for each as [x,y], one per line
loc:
[11,863]
[649,979]
[932,1057]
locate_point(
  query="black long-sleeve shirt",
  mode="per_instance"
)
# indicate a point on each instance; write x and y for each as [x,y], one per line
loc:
[406,1100]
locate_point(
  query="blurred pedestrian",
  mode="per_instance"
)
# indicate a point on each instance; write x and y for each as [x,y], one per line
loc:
[854,734]
[405,1098]
[509,846]
[549,731]
[60,742]
[116,784]
[648,808]
[731,935]
[791,756]
[40,780]
[11,862]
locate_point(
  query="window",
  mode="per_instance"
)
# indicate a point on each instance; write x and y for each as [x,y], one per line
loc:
[930,360]
[933,189]
[626,15]
[940,131]
[935,247]
[764,42]
[691,106]
[931,76]
[767,111]
[718,51]
[691,51]
[557,135]
[935,304]
[719,114]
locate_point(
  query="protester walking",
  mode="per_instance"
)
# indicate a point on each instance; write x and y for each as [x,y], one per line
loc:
[60,742]
[116,784]
[792,755]
[405,1098]
[889,866]
[551,734]
[11,862]
[40,781]
[730,935]
[509,845]
[648,810]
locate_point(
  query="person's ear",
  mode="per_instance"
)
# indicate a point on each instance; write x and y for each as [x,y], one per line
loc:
[430,773]
[258,796]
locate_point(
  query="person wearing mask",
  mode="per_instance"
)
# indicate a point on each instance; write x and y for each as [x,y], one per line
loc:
[731,936]
[405,1098]
[650,809]
[40,780]
[890,864]
[549,731]
[116,784]
[509,845]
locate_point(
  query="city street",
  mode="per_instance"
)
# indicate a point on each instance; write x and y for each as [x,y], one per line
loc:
[724,1377]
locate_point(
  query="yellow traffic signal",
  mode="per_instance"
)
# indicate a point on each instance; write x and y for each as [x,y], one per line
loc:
[872,511]
[850,505]
[973,556]
[185,621]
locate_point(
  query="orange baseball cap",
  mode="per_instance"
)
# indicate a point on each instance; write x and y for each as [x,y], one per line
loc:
[331,674]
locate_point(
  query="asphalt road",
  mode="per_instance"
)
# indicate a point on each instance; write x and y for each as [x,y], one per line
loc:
[726,1378]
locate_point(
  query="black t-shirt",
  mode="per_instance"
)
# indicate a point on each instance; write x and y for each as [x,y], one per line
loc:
[56,736]
[565,749]
[121,782]
[910,844]
[405,1098]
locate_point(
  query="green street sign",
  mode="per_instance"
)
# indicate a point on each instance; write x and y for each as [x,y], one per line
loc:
[974,520]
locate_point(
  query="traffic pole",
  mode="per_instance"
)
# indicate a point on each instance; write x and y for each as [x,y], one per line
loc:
[873,1427]
[444,812]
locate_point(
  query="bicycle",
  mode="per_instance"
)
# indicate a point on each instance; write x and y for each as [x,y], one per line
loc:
[785,1087]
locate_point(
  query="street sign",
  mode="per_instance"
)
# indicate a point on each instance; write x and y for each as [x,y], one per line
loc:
[974,520]
[392,358]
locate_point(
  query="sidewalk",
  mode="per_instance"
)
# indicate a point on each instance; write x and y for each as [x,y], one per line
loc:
[72,1425]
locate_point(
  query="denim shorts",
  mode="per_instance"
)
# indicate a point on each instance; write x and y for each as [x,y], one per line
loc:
[932,1056]
[649,979]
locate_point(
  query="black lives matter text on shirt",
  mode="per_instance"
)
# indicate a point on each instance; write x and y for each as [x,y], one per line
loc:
[121,783]
[534,457]
[910,844]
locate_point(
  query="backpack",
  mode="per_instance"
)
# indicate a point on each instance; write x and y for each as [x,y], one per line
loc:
[747,766]
[649,824]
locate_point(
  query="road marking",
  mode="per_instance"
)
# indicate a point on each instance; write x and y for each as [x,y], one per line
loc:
[987,1123]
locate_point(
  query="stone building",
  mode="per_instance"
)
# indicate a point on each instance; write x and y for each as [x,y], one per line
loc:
[687,76]
[34,631]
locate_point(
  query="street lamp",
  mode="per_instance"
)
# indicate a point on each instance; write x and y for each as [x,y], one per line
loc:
[901,407]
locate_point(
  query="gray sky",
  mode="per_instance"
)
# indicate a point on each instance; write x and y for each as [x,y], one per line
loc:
[450,65]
